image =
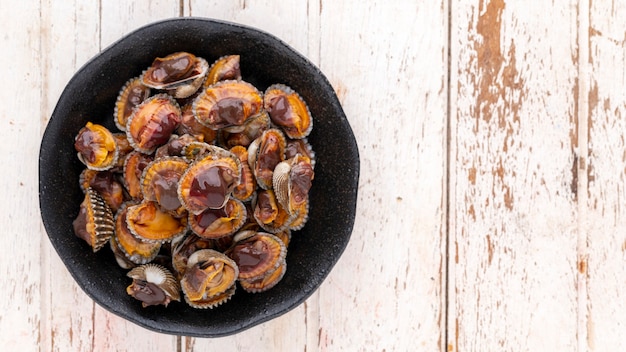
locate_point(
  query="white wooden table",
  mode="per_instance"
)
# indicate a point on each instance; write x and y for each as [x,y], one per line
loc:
[492,198]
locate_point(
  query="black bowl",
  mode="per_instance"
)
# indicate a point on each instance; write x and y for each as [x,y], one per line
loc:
[90,96]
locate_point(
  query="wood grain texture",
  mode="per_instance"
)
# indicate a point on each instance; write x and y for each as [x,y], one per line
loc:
[68,312]
[20,266]
[606,170]
[513,177]
[388,64]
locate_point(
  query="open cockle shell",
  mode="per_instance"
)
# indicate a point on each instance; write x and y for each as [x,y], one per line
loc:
[247,183]
[94,222]
[132,94]
[209,279]
[149,223]
[251,130]
[189,125]
[302,147]
[269,214]
[159,183]
[209,181]
[183,247]
[288,110]
[96,146]
[217,223]
[106,184]
[227,104]
[266,282]
[264,153]
[153,284]
[133,248]
[134,165]
[224,68]
[152,123]
[180,73]
[257,256]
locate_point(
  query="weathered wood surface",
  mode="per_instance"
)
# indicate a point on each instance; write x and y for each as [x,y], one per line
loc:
[493,167]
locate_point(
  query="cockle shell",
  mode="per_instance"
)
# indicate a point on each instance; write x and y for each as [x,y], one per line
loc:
[288,110]
[209,279]
[224,68]
[209,181]
[149,223]
[257,256]
[96,147]
[159,183]
[180,73]
[132,94]
[94,222]
[227,104]
[264,153]
[153,284]
[152,123]
[133,248]
[217,223]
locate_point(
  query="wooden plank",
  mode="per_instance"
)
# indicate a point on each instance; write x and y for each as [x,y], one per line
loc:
[288,21]
[388,63]
[513,176]
[69,38]
[20,268]
[606,171]
[118,18]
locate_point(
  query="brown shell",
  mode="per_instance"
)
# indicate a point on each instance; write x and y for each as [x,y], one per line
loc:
[269,214]
[94,223]
[152,123]
[292,182]
[96,147]
[210,303]
[181,73]
[224,68]
[285,236]
[183,247]
[147,222]
[120,257]
[190,125]
[134,249]
[252,129]
[264,283]
[209,181]
[302,147]
[153,284]
[288,110]
[159,183]
[124,148]
[217,223]
[247,184]
[264,154]
[258,256]
[132,94]
[175,146]
[209,275]
[133,170]
[226,104]
[106,184]
[301,217]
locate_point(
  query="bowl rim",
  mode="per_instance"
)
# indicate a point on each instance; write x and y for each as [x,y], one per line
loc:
[257,319]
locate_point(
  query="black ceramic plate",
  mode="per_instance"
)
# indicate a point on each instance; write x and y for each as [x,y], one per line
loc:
[90,96]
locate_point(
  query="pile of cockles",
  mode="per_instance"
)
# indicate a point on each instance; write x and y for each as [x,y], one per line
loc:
[201,189]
